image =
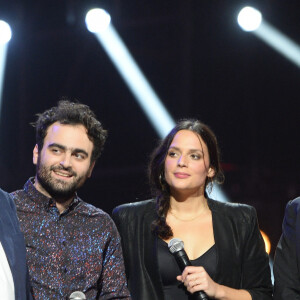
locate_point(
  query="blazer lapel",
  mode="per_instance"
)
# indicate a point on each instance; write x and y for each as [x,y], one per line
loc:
[150,254]
[226,245]
[6,235]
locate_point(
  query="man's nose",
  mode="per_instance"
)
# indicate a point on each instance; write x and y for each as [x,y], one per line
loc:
[66,161]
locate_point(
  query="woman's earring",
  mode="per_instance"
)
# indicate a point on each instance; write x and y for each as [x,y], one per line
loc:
[161,179]
[162,182]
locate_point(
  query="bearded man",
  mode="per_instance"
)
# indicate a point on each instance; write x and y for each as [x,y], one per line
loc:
[71,246]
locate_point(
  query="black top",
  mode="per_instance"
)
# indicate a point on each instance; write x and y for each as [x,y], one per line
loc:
[242,261]
[168,269]
[287,255]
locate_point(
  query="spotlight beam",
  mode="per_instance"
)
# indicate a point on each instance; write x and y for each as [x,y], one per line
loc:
[250,19]
[139,86]
[3,53]
[279,41]
[135,80]
[5,36]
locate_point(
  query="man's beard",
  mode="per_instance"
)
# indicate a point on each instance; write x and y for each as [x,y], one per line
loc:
[59,190]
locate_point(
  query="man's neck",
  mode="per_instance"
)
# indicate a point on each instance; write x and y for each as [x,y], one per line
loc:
[61,204]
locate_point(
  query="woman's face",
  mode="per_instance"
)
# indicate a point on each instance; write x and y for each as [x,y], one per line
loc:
[187,163]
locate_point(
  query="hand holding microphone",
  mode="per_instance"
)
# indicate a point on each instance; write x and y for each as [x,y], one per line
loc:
[176,247]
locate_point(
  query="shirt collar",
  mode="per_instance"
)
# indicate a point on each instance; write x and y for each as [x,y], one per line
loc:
[42,200]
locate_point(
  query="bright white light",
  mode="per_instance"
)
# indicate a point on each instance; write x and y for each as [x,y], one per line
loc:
[3,52]
[5,33]
[249,18]
[5,36]
[141,89]
[135,80]
[271,264]
[97,20]
[279,41]
[217,193]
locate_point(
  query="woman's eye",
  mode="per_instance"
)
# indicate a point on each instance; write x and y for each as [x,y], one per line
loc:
[172,154]
[195,156]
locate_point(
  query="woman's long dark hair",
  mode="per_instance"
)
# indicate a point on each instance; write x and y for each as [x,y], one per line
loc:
[158,184]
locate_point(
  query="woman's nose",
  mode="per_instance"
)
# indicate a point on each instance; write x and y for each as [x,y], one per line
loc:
[181,162]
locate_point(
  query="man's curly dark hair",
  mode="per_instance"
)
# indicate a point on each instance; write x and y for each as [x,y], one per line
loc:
[67,112]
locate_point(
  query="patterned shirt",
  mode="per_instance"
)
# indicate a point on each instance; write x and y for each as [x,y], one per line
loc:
[78,250]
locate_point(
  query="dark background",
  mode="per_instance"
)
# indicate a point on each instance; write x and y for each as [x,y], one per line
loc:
[200,63]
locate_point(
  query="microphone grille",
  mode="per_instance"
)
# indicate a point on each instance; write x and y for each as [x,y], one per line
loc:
[175,245]
[77,296]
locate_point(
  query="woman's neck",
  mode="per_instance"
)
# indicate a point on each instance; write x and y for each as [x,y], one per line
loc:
[189,205]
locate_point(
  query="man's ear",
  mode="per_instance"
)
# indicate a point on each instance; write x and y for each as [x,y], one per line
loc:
[91,169]
[35,154]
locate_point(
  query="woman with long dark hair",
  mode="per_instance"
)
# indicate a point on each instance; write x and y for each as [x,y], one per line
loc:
[222,240]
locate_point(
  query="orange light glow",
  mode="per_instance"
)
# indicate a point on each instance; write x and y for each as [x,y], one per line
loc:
[267,242]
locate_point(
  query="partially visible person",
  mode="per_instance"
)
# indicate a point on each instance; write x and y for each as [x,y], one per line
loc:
[222,240]
[14,280]
[71,245]
[287,255]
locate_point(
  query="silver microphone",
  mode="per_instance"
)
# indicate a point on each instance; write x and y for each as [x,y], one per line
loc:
[176,247]
[77,296]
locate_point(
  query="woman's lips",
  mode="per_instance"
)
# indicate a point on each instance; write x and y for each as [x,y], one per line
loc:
[181,175]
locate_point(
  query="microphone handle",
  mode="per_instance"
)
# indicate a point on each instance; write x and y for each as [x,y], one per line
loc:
[183,261]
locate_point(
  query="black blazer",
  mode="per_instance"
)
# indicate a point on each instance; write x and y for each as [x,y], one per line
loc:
[287,255]
[242,260]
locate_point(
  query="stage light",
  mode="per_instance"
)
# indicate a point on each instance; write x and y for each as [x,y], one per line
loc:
[140,87]
[5,33]
[279,42]
[217,193]
[97,20]
[268,250]
[249,18]
[269,34]
[135,79]
[5,36]
[267,242]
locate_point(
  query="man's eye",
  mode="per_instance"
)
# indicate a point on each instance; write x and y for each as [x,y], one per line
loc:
[79,156]
[54,150]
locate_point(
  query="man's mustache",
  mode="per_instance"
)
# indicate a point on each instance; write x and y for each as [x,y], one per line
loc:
[61,168]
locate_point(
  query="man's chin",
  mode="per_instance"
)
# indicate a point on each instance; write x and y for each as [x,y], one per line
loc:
[63,182]
[61,192]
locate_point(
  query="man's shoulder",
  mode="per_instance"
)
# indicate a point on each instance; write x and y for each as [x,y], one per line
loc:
[17,194]
[6,199]
[19,197]
[90,208]
[294,203]
[292,209]
[93,212]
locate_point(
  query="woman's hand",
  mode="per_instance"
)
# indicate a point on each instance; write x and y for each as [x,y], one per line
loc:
[196,279]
